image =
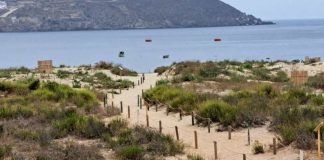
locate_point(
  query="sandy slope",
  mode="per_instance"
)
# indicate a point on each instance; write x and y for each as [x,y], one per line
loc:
[227,149]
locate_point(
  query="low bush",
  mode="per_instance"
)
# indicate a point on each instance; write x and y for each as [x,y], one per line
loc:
[63,74]
[217,111]
[316,81]
[14,88]
[194,157]
[103,65]
[122,71]
[87,127]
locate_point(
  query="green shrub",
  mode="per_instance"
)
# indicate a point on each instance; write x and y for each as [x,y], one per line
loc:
[4,151]
[316,81]
[161,70]
[116,126]
[261,74]
[317,100]
[122,71]
[63,74]
[15,112]
[26,135]
[14,88]
[103,65]
[131,153]
[281,76]
[257,148]
[217,111]
[87,127]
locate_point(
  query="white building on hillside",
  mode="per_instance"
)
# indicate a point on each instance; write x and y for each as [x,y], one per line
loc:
[3,5]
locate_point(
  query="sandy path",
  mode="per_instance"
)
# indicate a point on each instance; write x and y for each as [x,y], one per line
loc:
[227,149]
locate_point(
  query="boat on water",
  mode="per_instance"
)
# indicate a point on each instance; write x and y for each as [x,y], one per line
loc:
[121,54]
[217,39]
[166,56]
[148,40]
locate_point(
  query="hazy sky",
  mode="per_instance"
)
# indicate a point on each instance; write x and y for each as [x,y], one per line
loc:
[280,9]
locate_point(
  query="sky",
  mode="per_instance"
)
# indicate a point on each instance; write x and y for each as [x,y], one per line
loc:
[280,9]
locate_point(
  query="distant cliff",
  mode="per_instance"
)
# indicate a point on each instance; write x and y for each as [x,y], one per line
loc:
[64,15]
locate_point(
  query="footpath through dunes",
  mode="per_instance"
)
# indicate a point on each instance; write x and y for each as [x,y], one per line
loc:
[226,149]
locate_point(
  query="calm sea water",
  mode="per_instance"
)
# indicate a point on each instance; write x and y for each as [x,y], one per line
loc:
[286,40]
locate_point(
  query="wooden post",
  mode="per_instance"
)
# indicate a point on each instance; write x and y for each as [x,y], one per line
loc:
[318,130]
[141,103]
[167,110]
[138,82]
[196,140]
[104,100]
[180,114]
[133,84]
[177,133]
[138,99]
[160,126]
[192,118]
[120,91]
[215,150]
[121,107]
[156,108]
[208,125]
[249,138]
[244,156]
[147,121]
[142,92]
[229,132]
[112,104]
[112,94]
[274,146]
[128,111]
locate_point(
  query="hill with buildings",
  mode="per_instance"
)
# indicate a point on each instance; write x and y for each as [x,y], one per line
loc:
[49,15]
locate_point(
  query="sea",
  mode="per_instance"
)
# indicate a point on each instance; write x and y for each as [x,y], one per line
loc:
[286,40]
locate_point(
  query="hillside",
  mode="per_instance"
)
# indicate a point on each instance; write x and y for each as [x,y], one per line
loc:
[49,15]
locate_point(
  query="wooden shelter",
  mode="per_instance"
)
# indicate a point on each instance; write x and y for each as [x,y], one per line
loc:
[45,66]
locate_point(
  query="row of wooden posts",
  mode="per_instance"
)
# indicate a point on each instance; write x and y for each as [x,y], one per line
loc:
[196,134]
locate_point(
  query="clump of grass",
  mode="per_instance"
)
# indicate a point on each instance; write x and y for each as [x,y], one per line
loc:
[16,112]
[131,152]
[257,148]
[26,135]
[195,157]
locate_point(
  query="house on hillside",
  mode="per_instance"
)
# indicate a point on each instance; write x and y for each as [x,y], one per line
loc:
[3,5]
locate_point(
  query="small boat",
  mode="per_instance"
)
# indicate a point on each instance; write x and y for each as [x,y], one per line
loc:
[121,54]
[148,40]
[217,39]
[166,56]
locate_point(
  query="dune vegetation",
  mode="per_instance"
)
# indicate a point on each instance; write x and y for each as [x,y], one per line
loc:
[37,117]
